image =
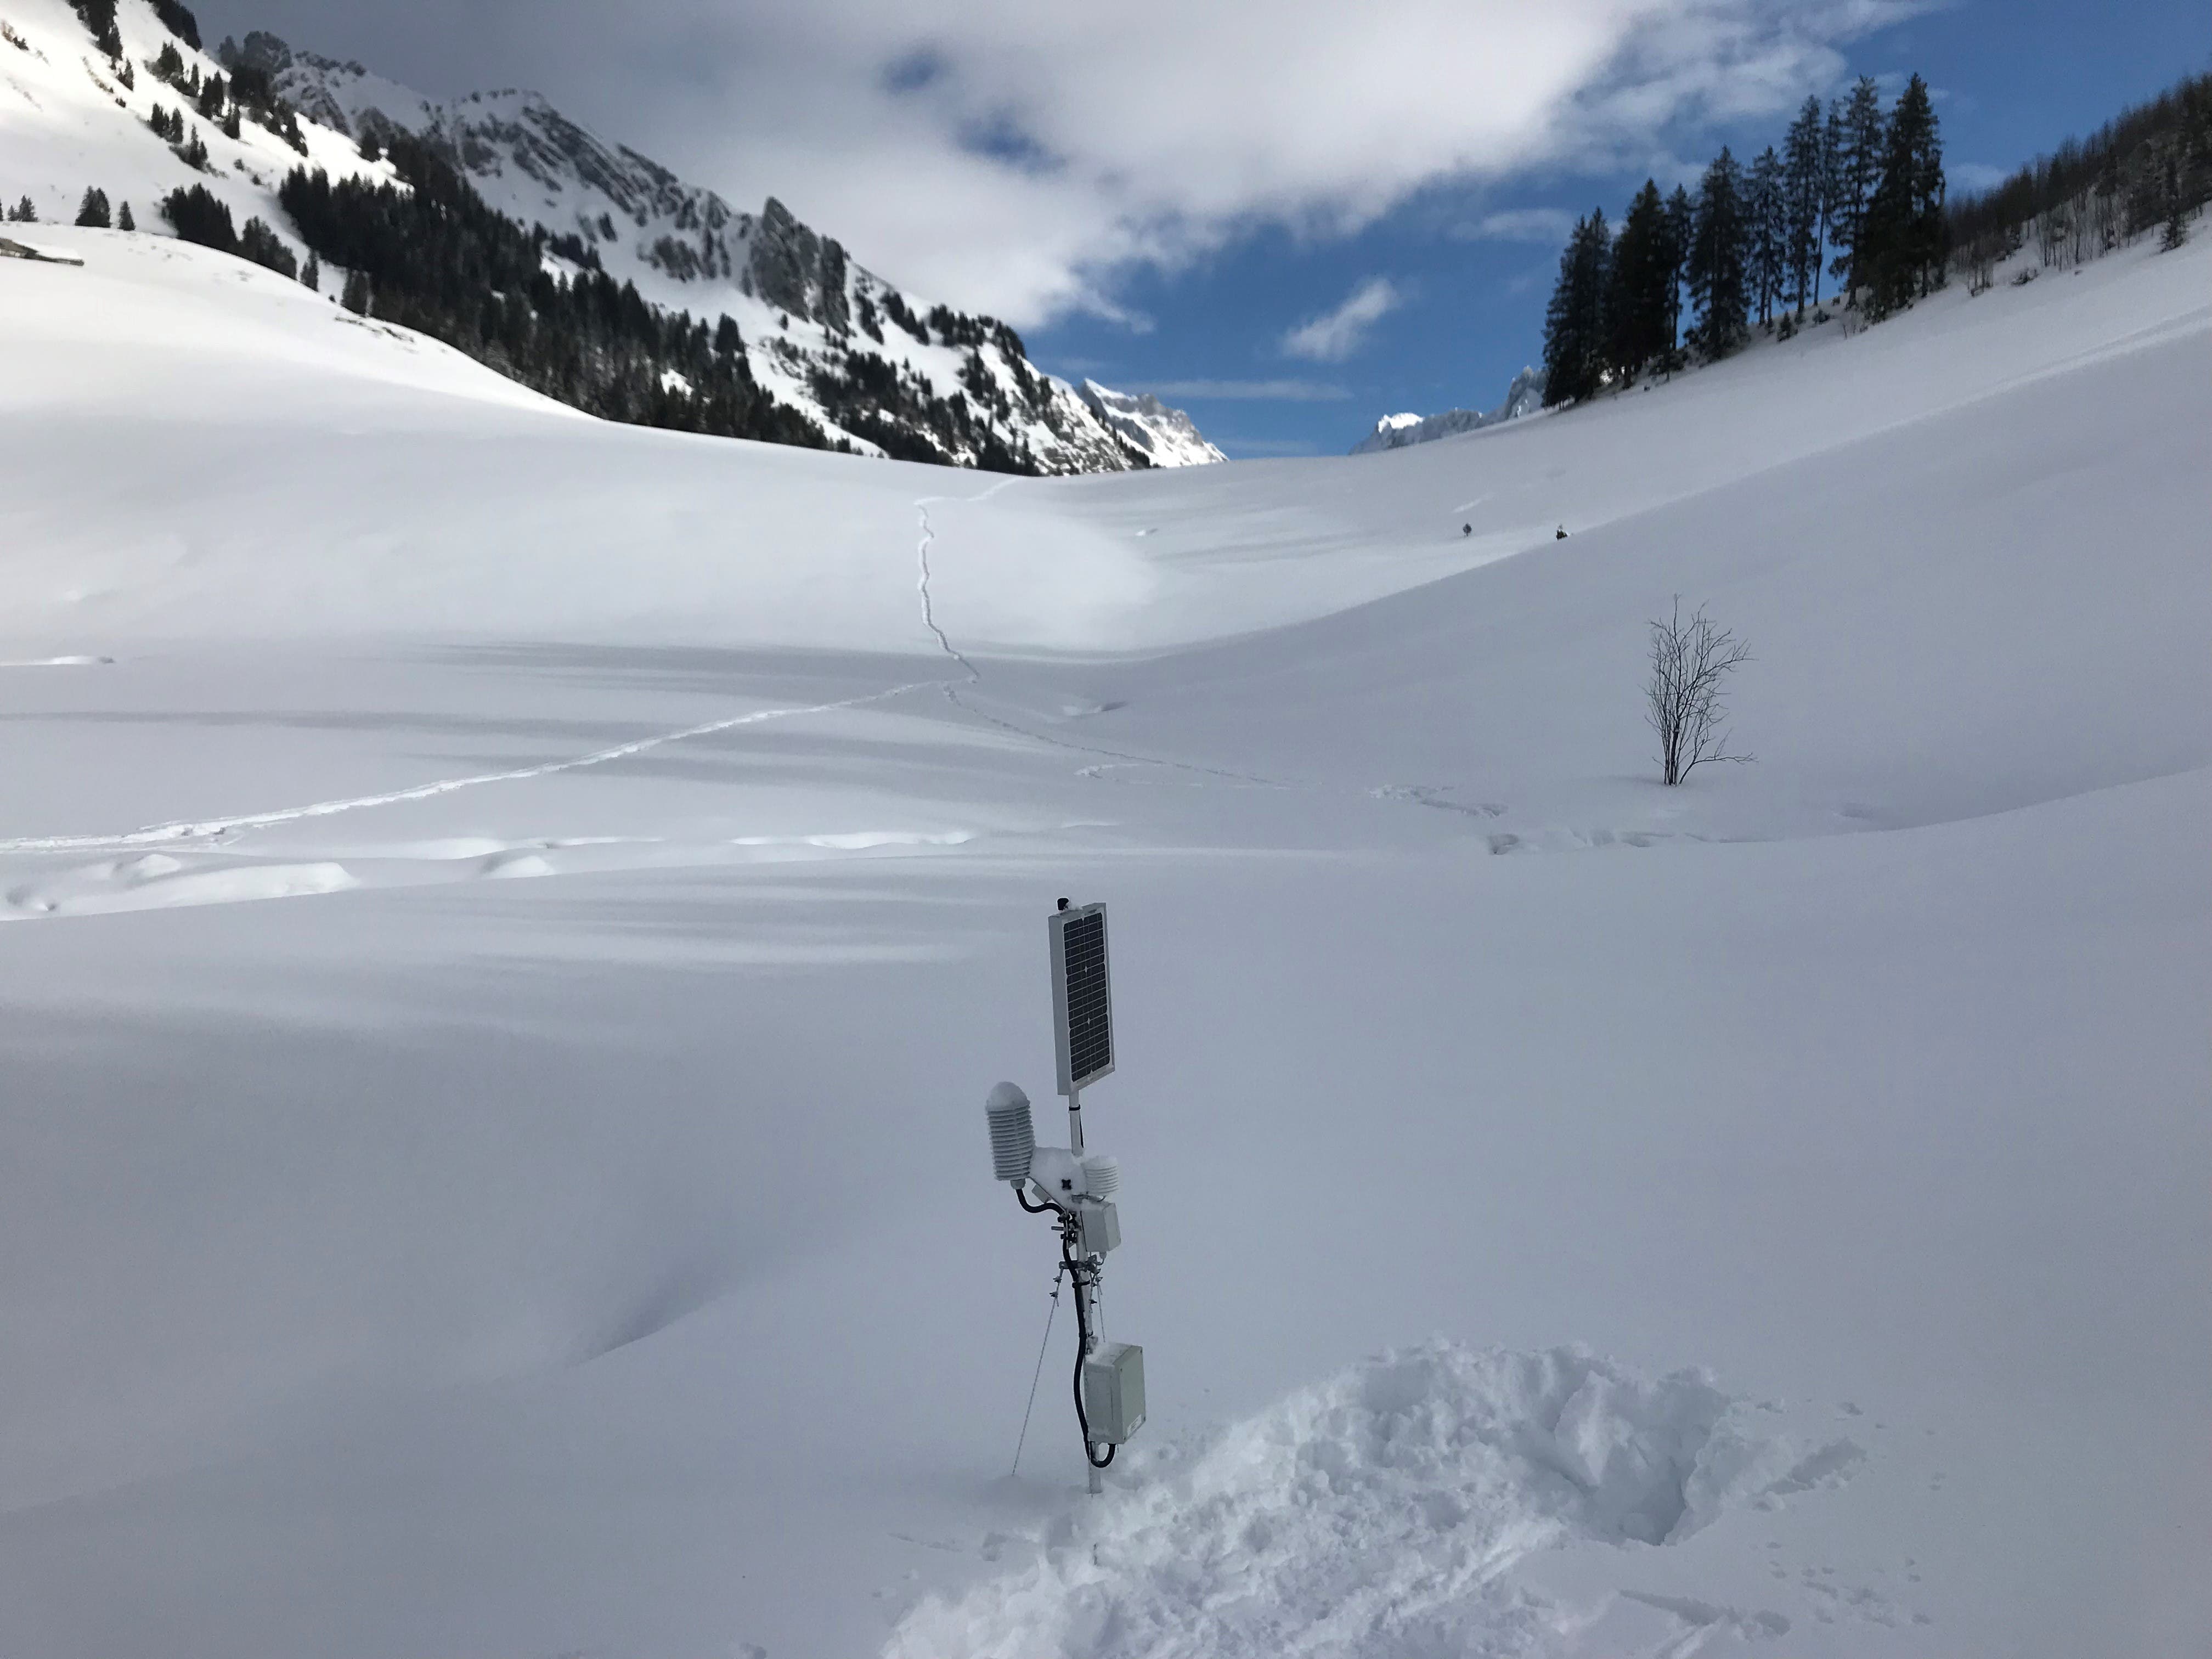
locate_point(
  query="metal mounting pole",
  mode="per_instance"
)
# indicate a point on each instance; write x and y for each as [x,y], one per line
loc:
[1087,1288]
[1075,1121]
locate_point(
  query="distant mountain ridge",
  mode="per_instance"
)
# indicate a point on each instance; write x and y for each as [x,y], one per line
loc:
[1165,436]
[807,309]
[1524,397]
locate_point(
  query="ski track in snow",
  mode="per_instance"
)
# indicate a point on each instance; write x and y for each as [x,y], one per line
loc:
[288,880]
[1106,761]
[951,688]
[216,829]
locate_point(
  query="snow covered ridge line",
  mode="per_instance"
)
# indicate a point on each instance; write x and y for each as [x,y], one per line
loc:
[1384,1511]
[816,350]
[1165,436]
[1524,397]
[812,318]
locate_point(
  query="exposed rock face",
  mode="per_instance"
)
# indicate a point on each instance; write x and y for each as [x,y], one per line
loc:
[802,273]
[1163,436]
[1524,397]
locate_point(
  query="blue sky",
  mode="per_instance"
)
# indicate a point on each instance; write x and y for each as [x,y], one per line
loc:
[1161,194]
[2012,80]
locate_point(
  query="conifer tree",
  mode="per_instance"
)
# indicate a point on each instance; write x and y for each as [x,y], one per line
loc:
[92,212]
[1901,244]
[1833,191]
[1931,230]
[1768,232]
[311,275]
[1861,143]
[123,219]
[1640,288]
[1802,196]
[355,297]
[1719,281]
[200,216]
[99,16]
[1682,221]
[1574,322]
[2176,212]
[26,212]
[262,244]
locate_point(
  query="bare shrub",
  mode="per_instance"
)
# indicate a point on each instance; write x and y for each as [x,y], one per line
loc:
[1685,701]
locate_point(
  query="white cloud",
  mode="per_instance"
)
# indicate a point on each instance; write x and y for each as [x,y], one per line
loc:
[1335,334]
[1546,225]
[1022,157]
[1280,392]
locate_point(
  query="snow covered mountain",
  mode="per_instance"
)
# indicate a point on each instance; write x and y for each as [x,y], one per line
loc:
[805,308]
[875,369]
[73,118]
[1524,397]
[1165,436]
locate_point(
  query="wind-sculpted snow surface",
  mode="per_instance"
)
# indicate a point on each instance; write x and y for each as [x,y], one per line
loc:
[523,911]
[1379,1513]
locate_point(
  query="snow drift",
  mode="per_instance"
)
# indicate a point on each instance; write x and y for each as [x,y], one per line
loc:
[1380,1512]
[509,919]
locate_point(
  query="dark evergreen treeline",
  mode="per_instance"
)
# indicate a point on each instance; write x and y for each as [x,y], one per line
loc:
[2150,166]
[436,257]
[870,396]
[246,94]
[99,16]
[1752,246]
[198,216]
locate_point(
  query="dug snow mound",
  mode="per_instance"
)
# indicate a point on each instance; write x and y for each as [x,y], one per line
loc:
[1379,1512]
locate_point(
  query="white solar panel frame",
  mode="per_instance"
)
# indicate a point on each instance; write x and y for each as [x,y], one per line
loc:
[1056,927]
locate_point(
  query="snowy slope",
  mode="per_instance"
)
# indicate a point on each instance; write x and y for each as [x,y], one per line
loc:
[67,123]
[1563,1216]
[798,298]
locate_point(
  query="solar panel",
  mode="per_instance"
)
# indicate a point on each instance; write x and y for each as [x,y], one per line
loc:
[1082,997]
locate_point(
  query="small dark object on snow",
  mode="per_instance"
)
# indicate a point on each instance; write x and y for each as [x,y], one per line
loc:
[1467,530]
[1560,534]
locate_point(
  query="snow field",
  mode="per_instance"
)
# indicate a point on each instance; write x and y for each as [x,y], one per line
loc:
[605,1261]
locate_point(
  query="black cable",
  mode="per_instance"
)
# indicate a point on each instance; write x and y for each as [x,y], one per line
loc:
[1082,1351]
[1022,1199]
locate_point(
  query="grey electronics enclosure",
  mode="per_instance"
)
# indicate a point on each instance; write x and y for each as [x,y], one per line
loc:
[1082,996]
[1114,1392]
[1099,1226]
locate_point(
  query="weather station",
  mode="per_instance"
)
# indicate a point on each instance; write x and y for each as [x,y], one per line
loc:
[1076,1186]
